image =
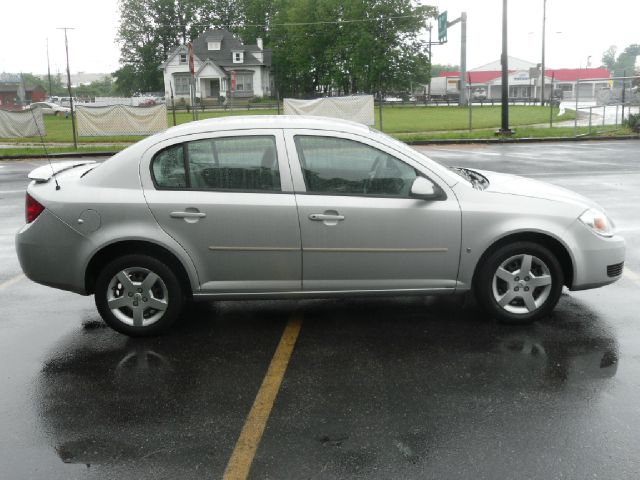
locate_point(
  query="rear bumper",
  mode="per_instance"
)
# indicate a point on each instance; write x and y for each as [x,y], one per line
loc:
[49,253]
[597,260]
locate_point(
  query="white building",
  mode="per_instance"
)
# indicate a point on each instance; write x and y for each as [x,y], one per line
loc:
[525,81]
[224,67]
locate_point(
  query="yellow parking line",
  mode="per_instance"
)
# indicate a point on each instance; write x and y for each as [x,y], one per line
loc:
[11,281]
[631,275]
[247,444]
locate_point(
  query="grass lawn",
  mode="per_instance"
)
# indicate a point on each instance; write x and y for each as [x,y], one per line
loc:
[39,151]
[395,120]
[429,119]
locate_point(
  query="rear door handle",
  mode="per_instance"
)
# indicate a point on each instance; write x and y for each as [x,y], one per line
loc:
[188,214]
[322,217]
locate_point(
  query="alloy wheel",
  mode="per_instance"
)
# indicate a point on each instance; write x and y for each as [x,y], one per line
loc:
[521,284]
[137,296]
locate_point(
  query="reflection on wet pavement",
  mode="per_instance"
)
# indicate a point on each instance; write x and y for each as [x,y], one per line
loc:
[179,401]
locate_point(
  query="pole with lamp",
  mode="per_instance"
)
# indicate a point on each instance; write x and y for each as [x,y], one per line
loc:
[504,129]
[544,21]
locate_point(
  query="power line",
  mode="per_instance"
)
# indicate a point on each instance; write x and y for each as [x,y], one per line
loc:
[298,24]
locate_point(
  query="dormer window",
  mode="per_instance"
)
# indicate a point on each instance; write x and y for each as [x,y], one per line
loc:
[183,58]
[238,56]
[213,45]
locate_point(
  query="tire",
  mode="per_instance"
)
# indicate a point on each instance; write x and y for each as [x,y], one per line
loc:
[518,297]
[126,302]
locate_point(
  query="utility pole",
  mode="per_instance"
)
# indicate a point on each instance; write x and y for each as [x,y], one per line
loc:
[505,130]
[544,22]
[463,60]
[430,63]
[463,55]
[73,119]
[49,69]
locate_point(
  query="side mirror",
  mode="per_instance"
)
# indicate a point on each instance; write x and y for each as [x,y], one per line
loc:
[425,189]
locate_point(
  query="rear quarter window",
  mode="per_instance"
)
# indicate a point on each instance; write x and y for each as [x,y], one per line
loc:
[168,168]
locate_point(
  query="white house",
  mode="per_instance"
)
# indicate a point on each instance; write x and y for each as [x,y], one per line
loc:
[223,67]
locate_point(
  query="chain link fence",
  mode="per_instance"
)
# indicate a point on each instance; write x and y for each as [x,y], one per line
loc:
[117,120]
[611,107]
[26,123]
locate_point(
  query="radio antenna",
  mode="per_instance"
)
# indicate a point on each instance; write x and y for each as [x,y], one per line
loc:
[46,153]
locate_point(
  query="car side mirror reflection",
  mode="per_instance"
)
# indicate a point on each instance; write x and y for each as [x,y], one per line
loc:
[425,189]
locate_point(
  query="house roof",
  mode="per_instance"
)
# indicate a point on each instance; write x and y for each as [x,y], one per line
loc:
[476,77]
[224,56]
[514,62]
[573,74]
[561,75]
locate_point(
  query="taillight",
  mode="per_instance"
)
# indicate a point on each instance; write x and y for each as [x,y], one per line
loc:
[32,208]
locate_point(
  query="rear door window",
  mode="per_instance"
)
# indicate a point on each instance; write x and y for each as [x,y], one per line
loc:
[239,163]
[245,163]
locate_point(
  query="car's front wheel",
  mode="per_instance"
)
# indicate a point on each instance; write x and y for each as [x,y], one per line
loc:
[519,283]
[138,295]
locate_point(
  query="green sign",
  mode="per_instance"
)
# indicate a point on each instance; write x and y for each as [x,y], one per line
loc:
[442,27]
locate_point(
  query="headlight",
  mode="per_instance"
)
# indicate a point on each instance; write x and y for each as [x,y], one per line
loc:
[598,222]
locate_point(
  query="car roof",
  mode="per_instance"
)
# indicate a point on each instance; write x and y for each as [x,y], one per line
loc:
[245,122]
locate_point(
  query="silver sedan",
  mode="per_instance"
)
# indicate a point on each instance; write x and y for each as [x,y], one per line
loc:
[274,207]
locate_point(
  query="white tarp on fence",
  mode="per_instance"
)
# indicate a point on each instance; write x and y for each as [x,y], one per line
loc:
[21,124]
[120,120]
[356,108]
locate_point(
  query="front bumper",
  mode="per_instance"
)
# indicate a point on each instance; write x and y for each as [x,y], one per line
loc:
[596,260]
[49,253]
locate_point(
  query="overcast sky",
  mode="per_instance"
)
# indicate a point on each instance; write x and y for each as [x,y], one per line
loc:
[576,29]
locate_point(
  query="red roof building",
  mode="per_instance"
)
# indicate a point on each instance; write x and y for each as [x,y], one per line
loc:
[525,83]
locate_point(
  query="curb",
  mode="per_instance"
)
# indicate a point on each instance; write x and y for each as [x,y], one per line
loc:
[462,141]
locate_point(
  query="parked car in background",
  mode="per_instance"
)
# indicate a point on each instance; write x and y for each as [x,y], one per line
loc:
[49,108]
[479,94]
[232,208]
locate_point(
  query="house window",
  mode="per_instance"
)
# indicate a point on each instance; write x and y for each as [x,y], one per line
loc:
[182,84]
[213,45]
[244,82]
[183,58]
[238,57]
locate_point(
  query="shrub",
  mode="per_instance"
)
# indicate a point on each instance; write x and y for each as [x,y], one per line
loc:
[634,122]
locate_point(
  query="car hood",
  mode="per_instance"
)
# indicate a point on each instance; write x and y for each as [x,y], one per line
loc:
[525,187]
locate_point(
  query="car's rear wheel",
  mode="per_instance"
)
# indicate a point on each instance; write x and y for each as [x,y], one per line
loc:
[519,283]
[138,295]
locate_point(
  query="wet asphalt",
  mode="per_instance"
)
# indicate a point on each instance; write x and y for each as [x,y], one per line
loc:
[376,388]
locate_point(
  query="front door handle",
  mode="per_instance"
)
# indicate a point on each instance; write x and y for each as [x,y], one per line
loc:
[323,217]
[188,214]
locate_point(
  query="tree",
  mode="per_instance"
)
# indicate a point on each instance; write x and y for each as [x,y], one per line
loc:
[348,46]
[437,69]
[57,87]
[609,58]
[624,63]
[97,88]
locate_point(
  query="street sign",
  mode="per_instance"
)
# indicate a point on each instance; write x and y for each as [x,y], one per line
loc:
[442,27]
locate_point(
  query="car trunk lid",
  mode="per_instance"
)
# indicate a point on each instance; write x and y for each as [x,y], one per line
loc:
[46,172]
